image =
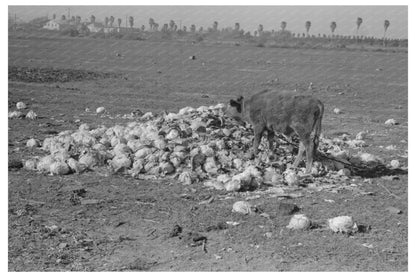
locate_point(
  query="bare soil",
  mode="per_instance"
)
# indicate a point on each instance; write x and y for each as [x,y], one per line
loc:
[100,222]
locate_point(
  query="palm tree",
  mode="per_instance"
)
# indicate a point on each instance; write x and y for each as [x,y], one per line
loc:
[151,23]
[171,25]
[184,29]
[283,25]
[111,21]
[333,26]
[359,22]
[143,28]
[386,26]
[237,27]
[63,17]
[131,21]
[193,28]
[215,26]
[119,22]
[165,27]
[260,29]
[106,21]
[78,19]
[308,25]
[156,26]
[92,19]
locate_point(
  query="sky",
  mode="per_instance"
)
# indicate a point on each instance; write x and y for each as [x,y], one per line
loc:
[249,17]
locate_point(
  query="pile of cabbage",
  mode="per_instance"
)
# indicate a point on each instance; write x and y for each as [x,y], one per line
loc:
[193,145]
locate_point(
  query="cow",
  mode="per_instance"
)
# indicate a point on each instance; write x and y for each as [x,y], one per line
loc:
[282,112]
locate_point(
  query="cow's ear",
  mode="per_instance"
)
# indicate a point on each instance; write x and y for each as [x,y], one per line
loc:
[236,104]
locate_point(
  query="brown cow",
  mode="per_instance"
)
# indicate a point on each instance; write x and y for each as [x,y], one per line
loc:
[284,112]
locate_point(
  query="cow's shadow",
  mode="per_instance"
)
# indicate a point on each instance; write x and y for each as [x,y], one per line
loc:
[368,171]
[377,171]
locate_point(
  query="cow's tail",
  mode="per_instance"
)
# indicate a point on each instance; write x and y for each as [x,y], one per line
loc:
[317,124]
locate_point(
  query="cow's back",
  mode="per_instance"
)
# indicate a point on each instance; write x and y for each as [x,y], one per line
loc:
[281,108]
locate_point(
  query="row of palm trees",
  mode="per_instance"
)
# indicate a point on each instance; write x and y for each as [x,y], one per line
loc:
[332,26]
[260,29]
[173,27]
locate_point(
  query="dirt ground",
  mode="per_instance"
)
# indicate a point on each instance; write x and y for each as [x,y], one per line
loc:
[102,222]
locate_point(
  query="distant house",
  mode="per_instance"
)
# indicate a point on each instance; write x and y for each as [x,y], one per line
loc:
[55,24]
[95,27]
[109,30]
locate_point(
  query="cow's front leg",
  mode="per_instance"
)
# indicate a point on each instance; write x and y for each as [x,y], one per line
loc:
[258,132]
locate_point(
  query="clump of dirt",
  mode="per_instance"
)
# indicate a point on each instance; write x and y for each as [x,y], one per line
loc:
[50,75]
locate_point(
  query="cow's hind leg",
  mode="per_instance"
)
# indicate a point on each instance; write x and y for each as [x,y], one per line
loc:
[300,154]
[270,138]
[310,147]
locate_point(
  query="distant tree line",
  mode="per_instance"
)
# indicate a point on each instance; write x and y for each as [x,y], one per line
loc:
[171,30]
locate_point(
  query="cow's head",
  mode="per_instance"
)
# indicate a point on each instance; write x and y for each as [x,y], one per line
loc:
[235,108]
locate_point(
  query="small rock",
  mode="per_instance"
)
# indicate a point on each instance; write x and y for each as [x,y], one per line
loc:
[62,245]
[394,210]
[192,57]
[390,178]
[31,115]
[344,172]
[242,207]
[186,178]
[233,185]
[395,164]
[214,184]
[89,201]
[368,245]
[391,122]
[329,200]
[391,147]
[291,177]
[59,168]
[361,135]
[368,158]
[342,224]
[32,143]
[100,110]
[232,223]
[16,114]
[20,105]
[299,222]
[226,132]
[337,111]
[30,164]
[265,215]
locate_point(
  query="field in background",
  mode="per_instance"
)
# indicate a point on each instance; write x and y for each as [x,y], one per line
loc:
[122,233]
